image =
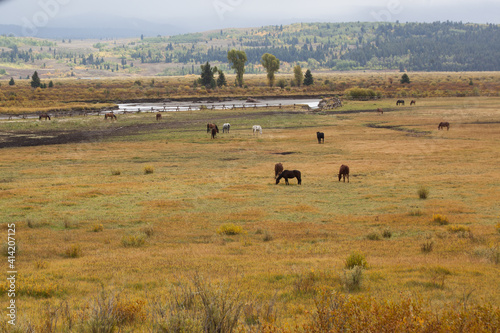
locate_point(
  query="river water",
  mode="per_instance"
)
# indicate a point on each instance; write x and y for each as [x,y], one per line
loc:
[173,106]
[228,104]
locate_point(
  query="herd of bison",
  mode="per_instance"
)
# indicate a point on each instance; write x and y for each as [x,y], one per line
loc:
[279,172]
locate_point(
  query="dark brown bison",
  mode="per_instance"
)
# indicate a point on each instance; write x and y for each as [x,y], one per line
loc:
[289,174]
[343,172]
[444,124]
[278,168]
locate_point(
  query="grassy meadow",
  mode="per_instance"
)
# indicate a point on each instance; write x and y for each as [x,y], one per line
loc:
[147,231]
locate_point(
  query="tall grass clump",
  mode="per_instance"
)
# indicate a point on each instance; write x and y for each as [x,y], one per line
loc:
[352,278]
[148,170]
[116,172]
[440,219]
[201,307]
[423,192]
[230,229]
[101,315]
[361,94]
[135,240]
[97,228]
[337,312]
[427,246]
[74,251]
[355,259]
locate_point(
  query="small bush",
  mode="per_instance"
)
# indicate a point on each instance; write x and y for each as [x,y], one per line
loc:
[136,240]
[268,237]
[148,230]
[74,251]
[352,278]
[440,219]
[148,170]
[127,311]
[116,172]
[41,264]
[458,228]
[373,236]
[7,250]
[230,229]
[387,234]
[423,193]
[97,227]
[355,259]
[305,282]
[427,246]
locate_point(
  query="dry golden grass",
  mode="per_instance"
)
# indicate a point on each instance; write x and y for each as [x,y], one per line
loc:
[200,184]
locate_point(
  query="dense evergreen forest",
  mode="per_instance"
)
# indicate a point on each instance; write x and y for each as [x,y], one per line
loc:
[439,46]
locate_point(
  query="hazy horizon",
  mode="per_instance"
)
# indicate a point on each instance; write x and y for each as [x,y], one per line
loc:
[168,17]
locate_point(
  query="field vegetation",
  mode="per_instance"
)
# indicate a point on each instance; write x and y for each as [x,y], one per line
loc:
[166,229]
[78,96]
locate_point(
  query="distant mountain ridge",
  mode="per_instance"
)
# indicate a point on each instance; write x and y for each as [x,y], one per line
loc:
[95,27]
[438,46]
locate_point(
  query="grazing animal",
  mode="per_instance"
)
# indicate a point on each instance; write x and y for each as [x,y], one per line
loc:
[158,116]
[379,110]
[343,172]
[257,128]
[413,102]
[45,116]
[210,126]
[278,168]
[400,102]
[110,115]
[320,136]
[289,174]
[226,127]
[444,124]
[214,132]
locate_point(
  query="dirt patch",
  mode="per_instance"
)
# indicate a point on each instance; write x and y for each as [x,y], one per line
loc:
[410,131]
[42,138]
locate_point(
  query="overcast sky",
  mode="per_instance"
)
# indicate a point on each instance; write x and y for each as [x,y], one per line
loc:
[199,15]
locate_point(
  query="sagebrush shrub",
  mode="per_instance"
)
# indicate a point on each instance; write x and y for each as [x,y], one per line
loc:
[423,193]
[441,219]
[136,240]
[355,259]
[352,278]
[373,236]
[97,227]
[427,246]
[74,251]
[148,170]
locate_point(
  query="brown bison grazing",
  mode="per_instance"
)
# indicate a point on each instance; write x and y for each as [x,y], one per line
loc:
[444,124]
[278,168]
[289,174]
[413,102]
[343,172]
[379,110]
[158,116]
[45,116]
[110,115]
